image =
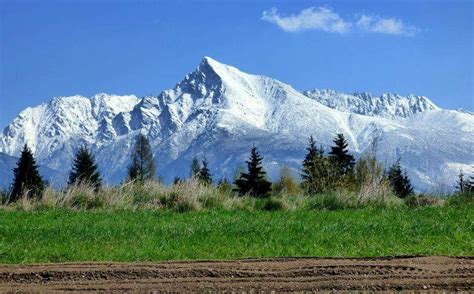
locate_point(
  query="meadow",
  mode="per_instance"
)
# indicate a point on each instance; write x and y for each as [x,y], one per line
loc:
[152,223]
[131,236]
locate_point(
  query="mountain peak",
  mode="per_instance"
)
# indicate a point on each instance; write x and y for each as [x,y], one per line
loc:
[220,111]
[209,64]
[209,60]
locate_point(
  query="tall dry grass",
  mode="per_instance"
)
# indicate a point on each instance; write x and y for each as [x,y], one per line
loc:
[183,196]
[191,195]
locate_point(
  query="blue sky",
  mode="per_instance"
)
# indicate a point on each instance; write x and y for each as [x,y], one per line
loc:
[59,48]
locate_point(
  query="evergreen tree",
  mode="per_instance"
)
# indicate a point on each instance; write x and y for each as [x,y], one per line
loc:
[84,170]
[317,172]
[142,167]
[254,181]
[26,178]
[340,155]
[465,185]
[471,183]
[195,168]
[308,173]
[462,184]
[399,180]
[470,186]
[204,175]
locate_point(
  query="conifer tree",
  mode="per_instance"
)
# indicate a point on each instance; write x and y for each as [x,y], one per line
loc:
[142,167]
[399,180]
[84,170]
[462,184]
[204,175]
[471,182]
[195,168]
[340,155]
[317,171]
[254,182]
[309,174]
[465,185]
[26,177]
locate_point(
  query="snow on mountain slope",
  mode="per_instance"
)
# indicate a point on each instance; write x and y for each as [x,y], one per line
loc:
[219,112]
[54,130]
[388,105]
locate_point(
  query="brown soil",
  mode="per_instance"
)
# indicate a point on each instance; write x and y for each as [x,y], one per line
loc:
[248,275]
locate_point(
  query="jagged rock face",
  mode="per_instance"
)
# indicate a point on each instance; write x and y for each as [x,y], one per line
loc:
[219,112]
[388,105]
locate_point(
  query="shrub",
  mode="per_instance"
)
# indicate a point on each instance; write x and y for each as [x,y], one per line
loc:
[286,184]
[462,199]
[87,201]
[422,201]
[368,172]
[273,204]
[184,195]
[3,197]
[224,187]
[330,201]
[169,200]
[212,199]
[185,206]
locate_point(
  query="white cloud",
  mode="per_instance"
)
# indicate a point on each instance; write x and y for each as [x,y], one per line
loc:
[326,19]
[313,18]
[391,26]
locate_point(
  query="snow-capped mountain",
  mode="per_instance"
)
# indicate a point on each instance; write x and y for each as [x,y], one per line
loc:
[219,112]
[388,105]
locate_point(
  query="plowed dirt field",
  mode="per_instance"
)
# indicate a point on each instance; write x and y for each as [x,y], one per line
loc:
[279,275]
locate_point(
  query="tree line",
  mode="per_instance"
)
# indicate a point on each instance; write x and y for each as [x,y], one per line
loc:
[320,172]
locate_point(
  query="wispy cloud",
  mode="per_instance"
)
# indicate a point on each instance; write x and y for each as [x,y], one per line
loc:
[313,18]
[327,20]
[391,26]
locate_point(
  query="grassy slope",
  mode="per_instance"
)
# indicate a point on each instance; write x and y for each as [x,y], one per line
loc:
[56,236]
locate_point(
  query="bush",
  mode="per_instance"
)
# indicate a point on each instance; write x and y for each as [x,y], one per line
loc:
[349,200]
[329,201]
[169,200]
[87,201]
[179,202]
[141,197]
[273,204]
[185,195]
[286,184]
[3,197]
[422,201]
[190,195]
[185,206]
[462,199]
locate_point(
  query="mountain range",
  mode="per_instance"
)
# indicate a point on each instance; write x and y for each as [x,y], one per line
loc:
[219,112]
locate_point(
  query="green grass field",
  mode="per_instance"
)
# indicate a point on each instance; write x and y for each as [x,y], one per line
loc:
[65,235]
